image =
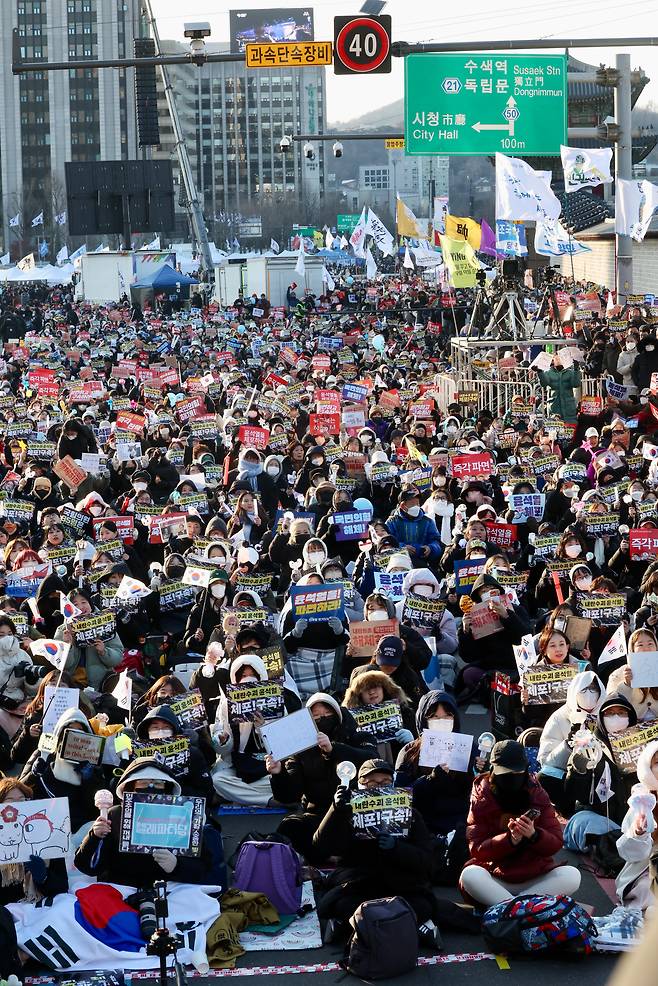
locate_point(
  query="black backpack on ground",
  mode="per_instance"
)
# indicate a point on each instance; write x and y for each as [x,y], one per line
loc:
[384,939]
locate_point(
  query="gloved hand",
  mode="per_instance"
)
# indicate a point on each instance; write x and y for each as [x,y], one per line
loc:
[165,859]
[37,867]
[342,797]
[386,841]
[404,736]
[299,627]
[335,625]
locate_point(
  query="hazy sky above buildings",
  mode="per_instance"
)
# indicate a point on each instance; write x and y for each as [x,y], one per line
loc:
[418,20]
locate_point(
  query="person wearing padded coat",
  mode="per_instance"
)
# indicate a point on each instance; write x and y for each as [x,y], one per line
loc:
[414,530]
[595,818]
[637,843]
[161,725]
[99,855]
[372,689]
[310,777]
[585,695]
[494,654]
[389,657]
[513,834]
[369,869]
[379,607]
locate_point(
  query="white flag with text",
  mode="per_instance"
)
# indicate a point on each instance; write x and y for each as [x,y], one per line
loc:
[523,193]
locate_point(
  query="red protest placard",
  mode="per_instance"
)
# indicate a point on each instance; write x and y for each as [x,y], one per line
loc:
[502,535]
[324,424]
[37,377]
[591,405]
[69,472]
[253,437]
[642,543]
[191,407]
[328,400]
[472,465]
[321,363]
[124,525]
[421,409]
[126,421]
[273,380]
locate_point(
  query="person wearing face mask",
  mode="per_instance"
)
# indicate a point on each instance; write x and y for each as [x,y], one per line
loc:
[572,550]
[13,664]
[315,460]
[273,469]
[161,726]
[627,572]
[250,475]
[346,550]
[206,614]
[334,571]
[594,818]
[413,530]
[439,509]
[440,795]
[287,547]
[620,682]
[513,834]
[422,583]
[174,598]
[557,510]
[75,439]
[646,363]
[635,884]
[561,383]
[310,777]
[585,695]
[498,654]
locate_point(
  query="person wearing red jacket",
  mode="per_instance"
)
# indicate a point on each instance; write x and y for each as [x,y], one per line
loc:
[513,834]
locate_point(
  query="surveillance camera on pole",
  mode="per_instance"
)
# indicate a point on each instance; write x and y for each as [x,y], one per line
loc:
[309,152]
[285,144]
[197,32]
[338,149]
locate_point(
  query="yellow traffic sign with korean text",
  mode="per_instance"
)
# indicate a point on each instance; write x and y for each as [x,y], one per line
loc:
[288,53]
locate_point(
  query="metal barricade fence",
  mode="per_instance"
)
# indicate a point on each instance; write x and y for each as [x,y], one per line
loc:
[493,395]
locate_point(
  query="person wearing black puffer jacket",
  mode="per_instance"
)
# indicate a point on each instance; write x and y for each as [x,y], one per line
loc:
[75,439]
[310,777]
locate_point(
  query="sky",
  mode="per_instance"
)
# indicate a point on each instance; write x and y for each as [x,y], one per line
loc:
[420,20]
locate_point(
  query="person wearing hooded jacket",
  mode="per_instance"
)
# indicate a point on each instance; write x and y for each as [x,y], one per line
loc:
[91,661]
[594,817]
[373,688]
[99,854]
[240,774]
[162,725]
[54,777]
[585,694]
[497,655]
[423,584]
[646,363]
[250,476]
[75,439]
[206,614]
[637,843]
[310,777]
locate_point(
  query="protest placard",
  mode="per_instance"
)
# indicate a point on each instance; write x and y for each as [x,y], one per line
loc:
[547,685]
[644,665]
[383,810]
[483,621]
[56,701]
[249,699]
[422,613]
[176,596]
[317,603]
[390,583]
[81,747]
[324,424]
[161,821]
[627,746]
[600,609]
[527,505]
[274,660]
[350,525]
[190,711]
[480,464]
[380,721]
[446,749]
[87,629]
[125,526]
[502,535]
[39,828]
[642,544]
[291,734]
[70,473]
[364,636]
[253,437]
[599,524]
[172,754]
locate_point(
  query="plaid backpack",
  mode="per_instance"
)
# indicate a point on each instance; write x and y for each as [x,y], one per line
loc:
[537,923]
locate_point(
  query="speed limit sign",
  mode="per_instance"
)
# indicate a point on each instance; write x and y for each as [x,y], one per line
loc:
[362,45]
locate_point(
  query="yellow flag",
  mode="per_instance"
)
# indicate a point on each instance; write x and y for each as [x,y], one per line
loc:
[458,228]
[318,239]
[406,222]
[459,257]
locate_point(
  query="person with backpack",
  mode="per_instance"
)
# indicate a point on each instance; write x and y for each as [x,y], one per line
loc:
[371,868]
[513,834]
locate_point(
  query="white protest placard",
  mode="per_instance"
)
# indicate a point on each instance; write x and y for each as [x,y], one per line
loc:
[57,701]
[542,361]
[90,462]
[644,666]
[446,749]
[293,733]
[34,828]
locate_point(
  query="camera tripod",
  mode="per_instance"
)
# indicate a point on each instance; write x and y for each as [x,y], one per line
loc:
[162,942]
[508,317]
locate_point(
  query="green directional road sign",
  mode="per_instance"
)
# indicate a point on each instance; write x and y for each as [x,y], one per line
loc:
[483,103]
[346,221]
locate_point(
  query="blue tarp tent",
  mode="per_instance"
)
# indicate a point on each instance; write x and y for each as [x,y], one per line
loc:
[165,278]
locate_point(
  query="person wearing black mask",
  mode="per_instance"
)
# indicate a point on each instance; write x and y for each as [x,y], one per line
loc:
[310,777]
[513,834]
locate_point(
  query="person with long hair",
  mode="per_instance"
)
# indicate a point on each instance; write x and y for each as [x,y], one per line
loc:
[166,689]
[620,682]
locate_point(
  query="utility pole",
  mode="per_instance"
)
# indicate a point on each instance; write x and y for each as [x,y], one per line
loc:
[193,204]
[623,169]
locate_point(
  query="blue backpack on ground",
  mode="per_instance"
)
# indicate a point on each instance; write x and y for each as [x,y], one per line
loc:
[537,923]
[273,869]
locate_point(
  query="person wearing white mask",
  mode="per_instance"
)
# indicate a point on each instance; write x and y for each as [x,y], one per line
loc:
[626,361]
[596,815]
[314,555]
[439,509]
[206,613]
[440,629]
[585,694]
[414,531]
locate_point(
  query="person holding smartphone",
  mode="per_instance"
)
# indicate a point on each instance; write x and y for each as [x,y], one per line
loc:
[513,834]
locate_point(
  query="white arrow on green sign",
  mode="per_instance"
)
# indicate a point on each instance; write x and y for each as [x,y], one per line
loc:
[483,103]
